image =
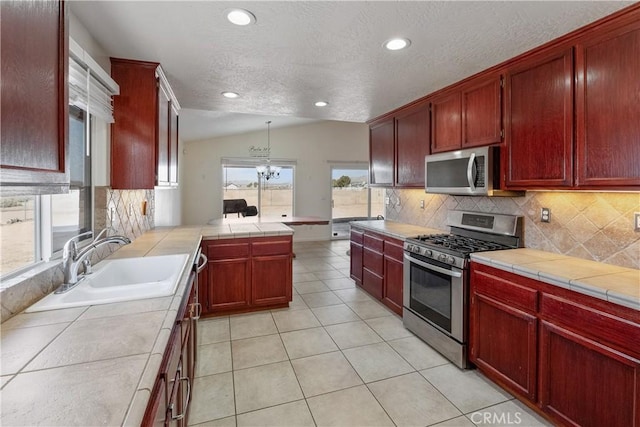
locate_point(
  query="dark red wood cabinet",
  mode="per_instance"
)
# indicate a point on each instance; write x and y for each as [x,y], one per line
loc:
[35,101]
[381,153]
[144,136]
[482,112]
[504,331]
[397,146]
[355,270]
[539,122]
[574,358]
[377,266]
[608,108]
[393,274]
[412,145]
[246,274]
[373,264]
[446,122]
[171,394]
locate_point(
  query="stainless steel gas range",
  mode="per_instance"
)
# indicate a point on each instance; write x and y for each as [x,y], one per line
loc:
[436,277]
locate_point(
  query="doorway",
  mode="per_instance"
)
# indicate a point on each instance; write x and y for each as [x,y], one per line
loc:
[351,197]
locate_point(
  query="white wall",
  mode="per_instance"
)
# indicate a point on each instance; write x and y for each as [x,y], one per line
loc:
[312,146]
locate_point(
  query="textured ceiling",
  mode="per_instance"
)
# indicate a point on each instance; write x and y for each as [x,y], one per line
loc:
[303,51]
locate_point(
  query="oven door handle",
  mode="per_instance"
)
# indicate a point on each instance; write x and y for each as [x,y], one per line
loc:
[433,267]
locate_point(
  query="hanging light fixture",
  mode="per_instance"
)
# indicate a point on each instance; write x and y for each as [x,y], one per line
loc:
[267,171]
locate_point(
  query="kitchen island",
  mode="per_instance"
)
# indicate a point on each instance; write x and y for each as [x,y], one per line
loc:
[97,365]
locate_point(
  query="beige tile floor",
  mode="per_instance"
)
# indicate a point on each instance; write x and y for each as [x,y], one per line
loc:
[335,357]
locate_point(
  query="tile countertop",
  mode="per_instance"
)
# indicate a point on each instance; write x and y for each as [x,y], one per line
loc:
[96,365]
[615,284]
[395,229]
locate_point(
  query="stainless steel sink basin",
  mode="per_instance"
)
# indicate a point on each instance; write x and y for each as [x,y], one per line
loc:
[121,280]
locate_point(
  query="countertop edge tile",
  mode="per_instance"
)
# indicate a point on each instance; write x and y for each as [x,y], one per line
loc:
[136,410]
[623,299]
[588,290]
[527,272]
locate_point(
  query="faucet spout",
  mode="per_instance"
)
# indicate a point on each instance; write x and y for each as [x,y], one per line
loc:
[72,259]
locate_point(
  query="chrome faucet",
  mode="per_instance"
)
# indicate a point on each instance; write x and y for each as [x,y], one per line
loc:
[71,258]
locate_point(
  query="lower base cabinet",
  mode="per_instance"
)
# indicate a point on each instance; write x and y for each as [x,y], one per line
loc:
[573,357]
[377,266]
[246,274]
[171,393]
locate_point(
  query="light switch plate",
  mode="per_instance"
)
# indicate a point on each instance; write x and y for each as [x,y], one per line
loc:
[421,204]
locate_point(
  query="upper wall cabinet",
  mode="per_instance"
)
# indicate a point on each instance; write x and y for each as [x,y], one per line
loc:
[539,122]
[469,117]
[446,127]
[381,152]
[397,147]
[412,145]
[34,112]
[482,112]
[608,109]
[144,137]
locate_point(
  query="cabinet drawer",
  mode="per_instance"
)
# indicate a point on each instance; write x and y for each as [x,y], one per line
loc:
[589,322]
[229,250]
[373,242]
[372,283]
[393,250]
[373,261]
[505,291]
[282,247]
[356,236]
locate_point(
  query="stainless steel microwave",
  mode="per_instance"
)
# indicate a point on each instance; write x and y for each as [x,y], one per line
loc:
[470,172]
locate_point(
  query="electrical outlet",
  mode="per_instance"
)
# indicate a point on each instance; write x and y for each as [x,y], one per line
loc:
[421,204]
[398,203]
[636,221]
[386,201]
[545,215]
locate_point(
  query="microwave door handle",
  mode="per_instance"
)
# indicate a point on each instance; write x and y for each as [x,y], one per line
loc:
[470,177]
[433,267]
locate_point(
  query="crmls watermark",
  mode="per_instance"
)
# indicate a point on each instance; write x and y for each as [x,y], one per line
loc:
[492,418]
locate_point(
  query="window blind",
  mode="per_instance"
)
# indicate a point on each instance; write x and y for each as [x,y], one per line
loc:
[90,87]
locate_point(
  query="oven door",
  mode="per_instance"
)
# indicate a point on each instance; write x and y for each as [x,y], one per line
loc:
[435,292]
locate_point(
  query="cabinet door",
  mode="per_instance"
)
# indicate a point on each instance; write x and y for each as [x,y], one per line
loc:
[164,106]
[392,289]
[446,123]
[583,382]
[229,283]
[356,263]
[134,133]
[503,343]
[412,145]
[482,113]
[381,152]
[608,109]
[372,283]
[539,123]
[271,280]
[35,100]
[173,145]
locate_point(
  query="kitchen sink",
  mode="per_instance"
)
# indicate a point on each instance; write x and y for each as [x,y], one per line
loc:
[121,280]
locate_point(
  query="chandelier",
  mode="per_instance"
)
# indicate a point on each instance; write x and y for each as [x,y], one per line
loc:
[267,171]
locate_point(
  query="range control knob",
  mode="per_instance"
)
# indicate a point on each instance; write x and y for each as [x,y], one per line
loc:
[451,260]
[428,252]
[442,257]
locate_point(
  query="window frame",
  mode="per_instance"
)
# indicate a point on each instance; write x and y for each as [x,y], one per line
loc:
[252,163]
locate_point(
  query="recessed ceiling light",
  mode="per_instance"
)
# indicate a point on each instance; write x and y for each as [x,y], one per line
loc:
[397,43]
[321,104]
[240,16]
[230,95]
